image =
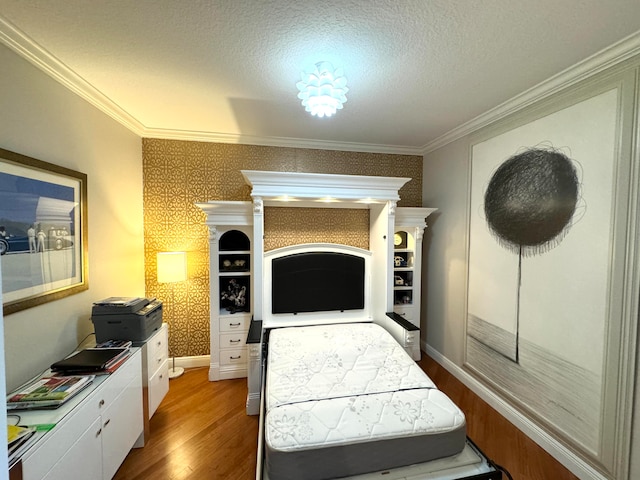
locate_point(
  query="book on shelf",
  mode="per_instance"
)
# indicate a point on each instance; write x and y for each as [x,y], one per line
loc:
[91,360]
[48,392]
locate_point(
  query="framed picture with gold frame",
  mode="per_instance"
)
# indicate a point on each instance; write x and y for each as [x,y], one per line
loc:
[43,231]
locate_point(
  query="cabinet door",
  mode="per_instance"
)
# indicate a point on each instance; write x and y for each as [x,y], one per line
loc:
[121,427]
[83,459]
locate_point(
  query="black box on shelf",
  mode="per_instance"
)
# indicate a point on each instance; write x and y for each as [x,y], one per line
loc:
[132,319]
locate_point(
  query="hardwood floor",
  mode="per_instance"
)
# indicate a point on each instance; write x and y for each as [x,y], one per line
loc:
[201,431]
[495,435]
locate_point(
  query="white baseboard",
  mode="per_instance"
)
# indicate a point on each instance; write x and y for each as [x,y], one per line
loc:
[191,362]
[557,450]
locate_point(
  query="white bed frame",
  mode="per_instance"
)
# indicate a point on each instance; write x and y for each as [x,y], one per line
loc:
[471,463]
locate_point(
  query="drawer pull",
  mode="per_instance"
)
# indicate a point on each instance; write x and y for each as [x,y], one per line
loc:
[235,341]
[98,432]
[235,358]
[161,376]
[235,324]
[159,343]
[159,360]
[101,403]
[107,422]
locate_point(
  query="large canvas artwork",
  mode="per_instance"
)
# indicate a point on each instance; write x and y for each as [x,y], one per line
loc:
[540,253]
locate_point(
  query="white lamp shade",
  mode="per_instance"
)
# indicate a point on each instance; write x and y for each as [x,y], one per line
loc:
[172,267]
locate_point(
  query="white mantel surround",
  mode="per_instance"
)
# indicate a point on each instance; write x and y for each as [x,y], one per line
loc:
[320,190]
[293,189]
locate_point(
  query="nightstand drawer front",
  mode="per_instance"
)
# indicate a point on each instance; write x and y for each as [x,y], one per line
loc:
[234,323]
[158,387]
[233,356]
[157,349]
[233,340]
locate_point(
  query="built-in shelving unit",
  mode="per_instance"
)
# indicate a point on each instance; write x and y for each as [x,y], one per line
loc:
[237,248]
[231,286]
[410,223]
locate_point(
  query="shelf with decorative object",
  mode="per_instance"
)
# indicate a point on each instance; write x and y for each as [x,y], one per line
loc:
[231,280]
[410,223]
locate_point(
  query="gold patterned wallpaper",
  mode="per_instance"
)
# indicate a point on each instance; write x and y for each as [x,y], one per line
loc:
[177,174]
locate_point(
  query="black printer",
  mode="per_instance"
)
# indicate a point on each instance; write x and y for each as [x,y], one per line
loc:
[126,318]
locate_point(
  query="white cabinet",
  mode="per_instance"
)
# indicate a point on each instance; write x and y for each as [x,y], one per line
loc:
[118,436]
[85,456]
[231,280]
[155,376]
[155,365]
[93,433]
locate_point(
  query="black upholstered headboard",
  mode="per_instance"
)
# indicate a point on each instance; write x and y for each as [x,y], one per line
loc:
[317,282]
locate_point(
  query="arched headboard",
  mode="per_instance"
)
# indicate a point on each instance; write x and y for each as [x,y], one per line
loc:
[316,283]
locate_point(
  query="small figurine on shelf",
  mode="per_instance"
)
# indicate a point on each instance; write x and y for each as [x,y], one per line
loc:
[399,261]
[234,298]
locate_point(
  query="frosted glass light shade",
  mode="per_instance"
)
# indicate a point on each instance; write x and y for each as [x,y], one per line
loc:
[172,267]
[323,89]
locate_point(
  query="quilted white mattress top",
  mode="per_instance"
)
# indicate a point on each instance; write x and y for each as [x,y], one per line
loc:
[344,384]
[328,361]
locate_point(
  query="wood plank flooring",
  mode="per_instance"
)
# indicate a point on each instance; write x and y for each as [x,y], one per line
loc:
[201,432]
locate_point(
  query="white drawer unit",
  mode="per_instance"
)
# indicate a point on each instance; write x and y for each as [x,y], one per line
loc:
[93,433]
[235,323]
[155,376]
[232,348]
[233,340]
[157,372]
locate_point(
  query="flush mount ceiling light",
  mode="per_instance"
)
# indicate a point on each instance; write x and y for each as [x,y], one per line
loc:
[323,89]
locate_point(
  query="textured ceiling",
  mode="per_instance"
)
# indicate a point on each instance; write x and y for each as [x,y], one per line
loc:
[226,70]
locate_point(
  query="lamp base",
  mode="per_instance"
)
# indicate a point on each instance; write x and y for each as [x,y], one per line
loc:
[175,372]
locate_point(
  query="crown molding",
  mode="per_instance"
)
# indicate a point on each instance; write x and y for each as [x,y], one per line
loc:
[27,48]
[24,46]
[170,134]
[613,55]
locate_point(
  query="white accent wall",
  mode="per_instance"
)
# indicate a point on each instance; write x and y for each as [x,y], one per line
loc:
[42,119]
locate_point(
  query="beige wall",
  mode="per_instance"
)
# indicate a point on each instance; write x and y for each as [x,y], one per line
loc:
[42,119]
[177,174]
[445,186]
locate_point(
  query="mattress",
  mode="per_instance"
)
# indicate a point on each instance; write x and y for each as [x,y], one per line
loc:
[346,399]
